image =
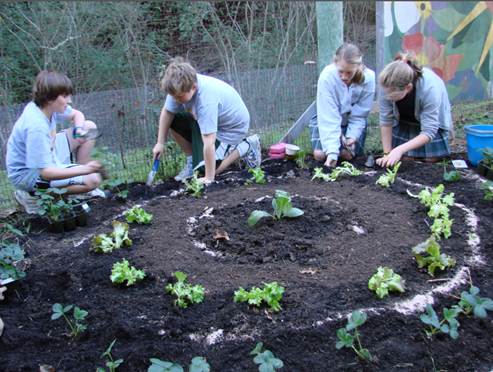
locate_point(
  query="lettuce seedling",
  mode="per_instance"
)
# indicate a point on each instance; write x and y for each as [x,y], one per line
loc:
[488,190]
[138,215]
[299,158]
[76,325]
[319,174]
[449,325]
[439,210]
[387,179]
[185,293]
[9,255]
[110,362]
[194,186]
[271,294]
[345,168]
[258,176]
[266,360]
[427,254]
[282,209]
[106,243]
[471,302]
[122,271]
[347,339]
[198,364]
[385,281]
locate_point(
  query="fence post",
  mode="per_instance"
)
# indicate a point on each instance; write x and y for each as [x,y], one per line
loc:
[329,30]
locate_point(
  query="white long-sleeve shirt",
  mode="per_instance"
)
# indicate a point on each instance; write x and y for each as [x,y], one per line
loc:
[334,99]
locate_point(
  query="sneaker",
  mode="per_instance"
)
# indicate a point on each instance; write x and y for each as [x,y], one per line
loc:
[186,172]
[26,201]
[98,193]
[253,156]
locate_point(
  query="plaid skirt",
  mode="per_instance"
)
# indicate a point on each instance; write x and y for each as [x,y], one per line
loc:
[405,131]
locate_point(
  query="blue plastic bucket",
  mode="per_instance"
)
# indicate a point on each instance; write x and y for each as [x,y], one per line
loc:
[478,137]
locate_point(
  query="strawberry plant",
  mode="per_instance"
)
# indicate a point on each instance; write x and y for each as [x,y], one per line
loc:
[387,179]
[138,215]
[347,339]
[106,243]
[198,364]
[122,271]
[448,325]
[10,253]
[266,360]
[258,176]
[271,294]
[117,186]
[385,281]
[282,209]
[427,254]
[345,169]
[194,187]
[452,176]
[471,302]
[76,325]
[185,293]
[110,362]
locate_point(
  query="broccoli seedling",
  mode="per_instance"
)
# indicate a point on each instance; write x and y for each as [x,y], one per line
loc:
[266,360]
[9,255]
[76,325]
[385,281]
[258,176]
[194,187]
[427,254]
[471,302]
[185,293]
[448,325]
[198,364]
[138,215]
[122,271]
[387,179]
[347,339]
[271,294]
[110,362]
[282,209]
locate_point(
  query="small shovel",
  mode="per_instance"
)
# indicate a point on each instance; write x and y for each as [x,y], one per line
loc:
[152,173]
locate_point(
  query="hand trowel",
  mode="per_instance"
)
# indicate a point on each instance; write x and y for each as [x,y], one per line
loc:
[152,173]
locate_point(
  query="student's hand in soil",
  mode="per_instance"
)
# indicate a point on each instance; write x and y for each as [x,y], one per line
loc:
[331,163]
[390,159]
[157,151]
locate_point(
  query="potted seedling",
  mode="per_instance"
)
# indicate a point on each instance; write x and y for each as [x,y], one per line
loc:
[81,211]
[56,210]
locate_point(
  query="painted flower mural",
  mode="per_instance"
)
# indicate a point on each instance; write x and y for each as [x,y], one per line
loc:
[452,38]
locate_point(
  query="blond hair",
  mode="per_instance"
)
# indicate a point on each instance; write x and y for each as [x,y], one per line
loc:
[401,72]
[179,77]
[351,54]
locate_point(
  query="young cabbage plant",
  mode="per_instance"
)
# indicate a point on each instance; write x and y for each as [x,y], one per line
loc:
[448,325]
[258,176]
[10,254]
[110,362]
[385,281]
[266,360]
[122,271]
[271,294]
[77,324]
[282,209]
[185,293]
[427,254]
[387,179]
[138,215]
[198,364]
[194,187]
[352,340]
[471,302]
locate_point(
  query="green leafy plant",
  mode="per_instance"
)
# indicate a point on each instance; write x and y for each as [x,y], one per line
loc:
[452,176]
[271,294]
[138,215]
[438,205]
[427,254]
[52,205]
[117,186]
[385,281]
[198,364]
[77,325]
[448,325]
[345,169]
[488,157]
[266,360]
[488,190]
[471,302]
[194,187]
[258,176]
[282,209]
[347,339]
[110,362]
[299,158]
[387,179]
[10,254]
[106,243]
[185,293]
[122,271]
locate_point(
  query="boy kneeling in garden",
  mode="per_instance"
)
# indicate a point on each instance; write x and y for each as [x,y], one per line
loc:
[198,110]
[38,157]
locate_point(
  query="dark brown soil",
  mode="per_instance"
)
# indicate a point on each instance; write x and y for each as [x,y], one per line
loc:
[324,260]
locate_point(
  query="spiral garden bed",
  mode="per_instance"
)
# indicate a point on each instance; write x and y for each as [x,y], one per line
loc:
[323,259]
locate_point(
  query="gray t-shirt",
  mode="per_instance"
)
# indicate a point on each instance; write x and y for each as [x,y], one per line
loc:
[218,108]
[30,144]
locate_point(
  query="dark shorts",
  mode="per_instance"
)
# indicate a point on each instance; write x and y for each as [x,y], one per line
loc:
[437,148]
